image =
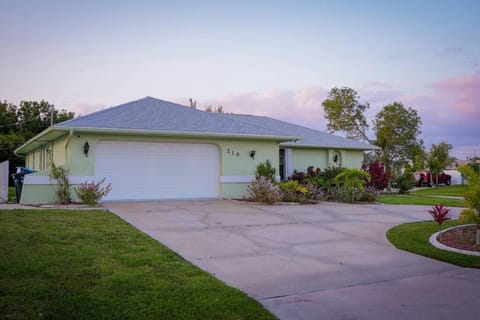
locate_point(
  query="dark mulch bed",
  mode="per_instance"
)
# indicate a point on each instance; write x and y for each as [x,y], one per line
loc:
[462,238]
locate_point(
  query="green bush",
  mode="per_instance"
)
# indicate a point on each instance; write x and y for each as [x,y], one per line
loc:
[263,190]
[405,182]
[317,177]
[352,180]
[91,193]
[265,169]
[340,194]
[292,191]
[368,194]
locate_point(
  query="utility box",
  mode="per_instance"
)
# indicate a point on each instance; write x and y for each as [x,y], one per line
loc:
[4,182]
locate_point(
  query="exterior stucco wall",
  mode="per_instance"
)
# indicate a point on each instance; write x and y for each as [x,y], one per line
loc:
[237,168]
[302,158]
[353,158]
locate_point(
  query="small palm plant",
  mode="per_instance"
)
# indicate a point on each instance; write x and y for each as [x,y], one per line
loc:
[353,180]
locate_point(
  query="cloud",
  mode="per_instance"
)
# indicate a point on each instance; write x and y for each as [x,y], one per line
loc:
[303,106]
[85,108]
[450,110]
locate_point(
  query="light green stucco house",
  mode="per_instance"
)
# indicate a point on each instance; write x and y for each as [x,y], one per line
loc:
[153,149]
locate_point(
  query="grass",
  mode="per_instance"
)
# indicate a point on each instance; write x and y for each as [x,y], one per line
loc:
[428,196]
[419,200]
[62,264]
[413,237]
[455,191]
[12,195]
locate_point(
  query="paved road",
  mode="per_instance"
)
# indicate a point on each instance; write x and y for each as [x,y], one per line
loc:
[325,261]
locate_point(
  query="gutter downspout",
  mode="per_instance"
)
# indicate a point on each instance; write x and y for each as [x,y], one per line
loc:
[68,144]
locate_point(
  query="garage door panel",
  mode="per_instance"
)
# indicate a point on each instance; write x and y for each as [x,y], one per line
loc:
[146,170]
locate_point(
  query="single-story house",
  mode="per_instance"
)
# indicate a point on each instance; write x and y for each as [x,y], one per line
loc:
[153,149]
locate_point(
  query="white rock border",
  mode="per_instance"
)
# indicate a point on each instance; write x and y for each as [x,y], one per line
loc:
[434,242]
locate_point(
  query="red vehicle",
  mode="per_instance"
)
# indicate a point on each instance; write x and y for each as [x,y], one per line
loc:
[425,178]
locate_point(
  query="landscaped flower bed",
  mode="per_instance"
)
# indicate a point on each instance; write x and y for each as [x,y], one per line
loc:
[461,237]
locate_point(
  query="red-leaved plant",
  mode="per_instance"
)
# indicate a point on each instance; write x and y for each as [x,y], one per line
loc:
[440,214]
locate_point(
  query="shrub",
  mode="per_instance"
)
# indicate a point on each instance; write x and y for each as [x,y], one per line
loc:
[378,175]
[469,216]
[369,194]
[340,194]
[292,191]
[59,176]
[91,193]
[405,182]
[265,169]
[352,180]
[263,190]
[314,194]
[472,196]
[330,173]
[316,176]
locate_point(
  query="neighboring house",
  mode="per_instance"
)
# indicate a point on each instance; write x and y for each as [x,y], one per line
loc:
[153,149]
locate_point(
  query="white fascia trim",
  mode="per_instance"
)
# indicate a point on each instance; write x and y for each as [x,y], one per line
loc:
[28,179]
[186,133]
[236,179]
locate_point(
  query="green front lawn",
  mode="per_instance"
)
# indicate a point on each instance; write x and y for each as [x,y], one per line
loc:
[413,237]
[428,196]
[414,198]
[455,190]
[12,195]
[61,264]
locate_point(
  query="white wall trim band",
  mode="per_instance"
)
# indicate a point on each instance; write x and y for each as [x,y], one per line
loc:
[240,179]
[236,179]
[29,179]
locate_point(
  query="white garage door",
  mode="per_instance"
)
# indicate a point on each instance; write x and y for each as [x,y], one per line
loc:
[154,170]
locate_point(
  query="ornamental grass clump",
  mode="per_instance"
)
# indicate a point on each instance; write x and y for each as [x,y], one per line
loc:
[91,193]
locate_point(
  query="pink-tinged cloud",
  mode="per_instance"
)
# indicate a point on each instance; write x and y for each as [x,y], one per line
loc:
[461,92]
[84,108]
[302,106]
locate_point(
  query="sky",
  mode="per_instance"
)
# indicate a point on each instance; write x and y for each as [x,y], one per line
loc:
[274,58]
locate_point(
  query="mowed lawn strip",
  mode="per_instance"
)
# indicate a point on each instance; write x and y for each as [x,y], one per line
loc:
[419,200]
[62,264]
[413,237]
[428,196]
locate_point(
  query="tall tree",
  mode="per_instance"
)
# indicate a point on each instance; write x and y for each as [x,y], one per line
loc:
[8,117]
[344,112]
[19,124]
[396,131]
[34,117]
[439,158]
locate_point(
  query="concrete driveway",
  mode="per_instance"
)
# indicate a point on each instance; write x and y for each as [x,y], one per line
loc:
[324,261]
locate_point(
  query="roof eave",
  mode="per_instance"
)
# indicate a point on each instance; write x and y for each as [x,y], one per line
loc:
[314,146]
[32,143]
[183,133]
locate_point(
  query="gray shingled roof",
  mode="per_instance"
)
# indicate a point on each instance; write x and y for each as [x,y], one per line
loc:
[152,114]
[311,137]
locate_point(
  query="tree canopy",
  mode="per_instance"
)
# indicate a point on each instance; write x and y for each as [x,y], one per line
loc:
[20,123]
[344,112]
[396,132]
[438,158]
